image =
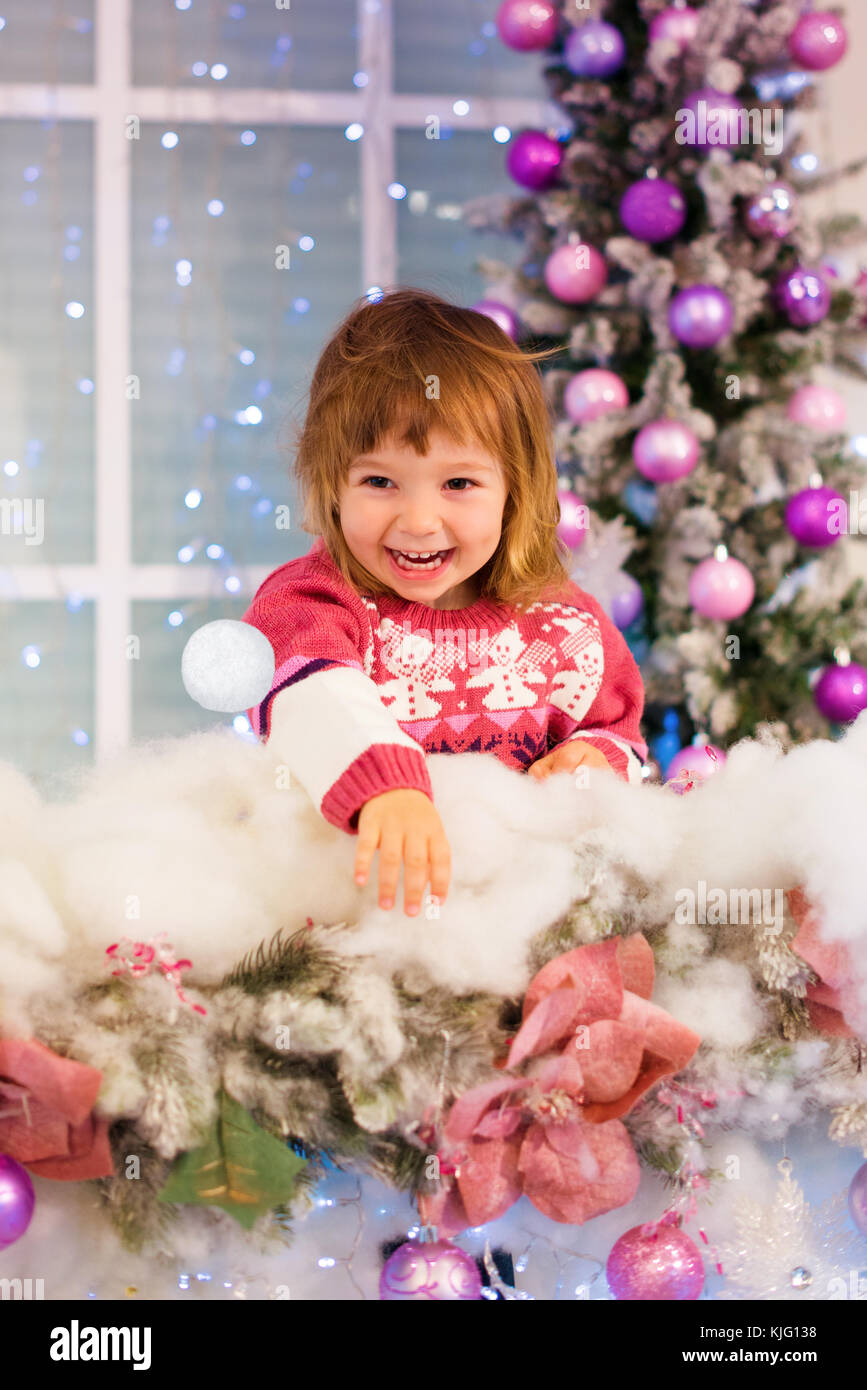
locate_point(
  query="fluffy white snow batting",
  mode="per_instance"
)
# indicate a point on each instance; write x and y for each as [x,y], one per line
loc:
[227,666]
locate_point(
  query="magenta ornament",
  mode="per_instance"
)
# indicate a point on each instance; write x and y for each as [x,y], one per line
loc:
[663,1265]
[858,1199]
[17,1200]
[721,588]
[774,212]
[533,159]
[677,24]
[501,314]
[700,316]
[433,1269]
[819,408]
[803,294]
[665,450]
[653,210]
[575,272]
[594,49]
[817,516]
[572,527]
[841,692]
[592,393]
[709,119]
[527,25]
[697,762]
[627,600]
[818,40]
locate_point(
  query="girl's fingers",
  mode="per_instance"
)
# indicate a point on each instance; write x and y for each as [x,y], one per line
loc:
[367,843]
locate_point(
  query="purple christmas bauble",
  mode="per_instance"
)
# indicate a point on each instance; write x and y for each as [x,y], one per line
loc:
[572,526]
[709,119]
[841,692]
[698,760]
[773,212]
[653,210]
[627,600]
[819,408]
[17,1200]
[594,49]
[677,24]
[430,1269]
[664,1265]
[803,294]
[501,314]
[592,393]
[700,316]
[665,450]
[721,588]
[817,516]
[534,159]
[818,40]
[527,25]
[858,1199]
[575,272]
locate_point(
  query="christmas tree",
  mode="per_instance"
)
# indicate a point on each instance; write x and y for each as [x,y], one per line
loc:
[671,254]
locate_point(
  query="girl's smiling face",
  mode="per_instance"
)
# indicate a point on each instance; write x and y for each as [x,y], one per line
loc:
[450,499]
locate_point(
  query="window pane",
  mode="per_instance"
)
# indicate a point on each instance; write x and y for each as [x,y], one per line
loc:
[194,427]
[436,249]
[453,47]
[161,707]
[46,345]
[309,45]
[47,41]
[47,707]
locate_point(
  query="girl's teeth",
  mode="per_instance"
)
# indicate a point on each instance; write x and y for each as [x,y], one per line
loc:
[432,564]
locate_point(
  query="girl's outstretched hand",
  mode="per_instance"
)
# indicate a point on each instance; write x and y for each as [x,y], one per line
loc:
[405,827]
[566,758]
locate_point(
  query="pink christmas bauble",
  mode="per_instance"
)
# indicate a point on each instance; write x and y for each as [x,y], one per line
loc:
[721,588]
[841,692]
[818,40]
[594,48]
[700,316]
[433,1269]
[665,450]
[501,314]
[698,760]
[664,1265]
[819,408]
[803,294]
[575,272]
[592,393]
[17,1200]
[534,159]
[653,210]
[709,119]
[572,527]
[527,25]
[817,516]
[774,212]
[678,25]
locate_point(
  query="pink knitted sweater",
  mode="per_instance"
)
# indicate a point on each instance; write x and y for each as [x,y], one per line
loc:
[365,685]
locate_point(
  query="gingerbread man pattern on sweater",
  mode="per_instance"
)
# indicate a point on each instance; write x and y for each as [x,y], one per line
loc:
[365,685]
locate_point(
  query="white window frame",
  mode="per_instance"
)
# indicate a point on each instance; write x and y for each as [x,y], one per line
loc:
[113,582]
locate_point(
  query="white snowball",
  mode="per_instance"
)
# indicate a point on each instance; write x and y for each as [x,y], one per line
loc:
[227,666]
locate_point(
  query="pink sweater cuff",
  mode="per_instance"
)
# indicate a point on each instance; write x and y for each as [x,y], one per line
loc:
[383,768]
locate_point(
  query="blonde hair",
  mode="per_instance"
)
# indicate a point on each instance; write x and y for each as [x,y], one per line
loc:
[373,378]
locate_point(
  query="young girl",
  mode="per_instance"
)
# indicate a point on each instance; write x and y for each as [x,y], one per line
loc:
[434,613]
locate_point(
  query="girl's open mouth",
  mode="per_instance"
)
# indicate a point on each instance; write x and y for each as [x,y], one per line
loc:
[429,567]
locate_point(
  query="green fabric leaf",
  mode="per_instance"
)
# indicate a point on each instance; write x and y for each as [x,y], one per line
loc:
[240,1168]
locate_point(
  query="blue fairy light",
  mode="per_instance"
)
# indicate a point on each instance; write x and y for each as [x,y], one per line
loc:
[396,191]
[214,551]
[360,79]
[247,356]
[248,137]
[73,233]
[354,131]
[169,139]
[243,483]
[175,618]
[80,737]
[301,305]
[31,173]
[10,468]
[199,69]
[263,506]
[219,71]
[374,294]
[86,386]
[461,108]
[306,243]
[31,656]
[502,134]
[193,498]
[232,584]
[74,602]
[216,207]
[185,554]
[74,310]
[71,253]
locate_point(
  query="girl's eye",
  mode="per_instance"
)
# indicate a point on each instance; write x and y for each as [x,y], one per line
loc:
[376,478]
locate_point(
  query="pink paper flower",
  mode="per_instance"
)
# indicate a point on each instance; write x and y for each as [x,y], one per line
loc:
[46,1119]
[594,1044]
[832,998]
